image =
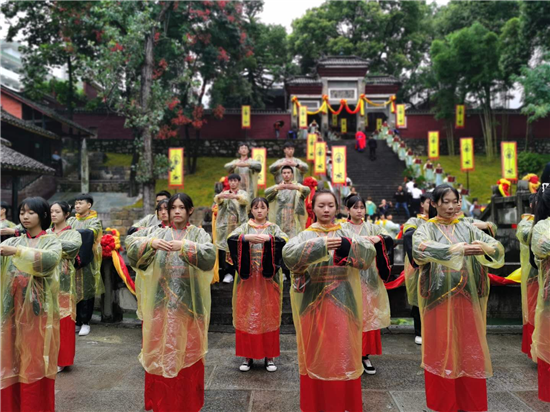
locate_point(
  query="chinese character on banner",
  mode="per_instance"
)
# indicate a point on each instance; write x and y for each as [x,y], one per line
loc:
[175,175]
[339,165]
[311,140]
[467,154]
[245,117]
[320,158]
[460,116]
[378,124]
[260,154]
[303,117]
[344,125]
[334,120]
[401,115]
[509,159]
[433,145]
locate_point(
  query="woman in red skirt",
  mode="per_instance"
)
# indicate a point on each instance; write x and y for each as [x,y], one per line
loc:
[30,314]
[176,267]
[540,245]
[70,242]
[453,291]
[327,309]
[256,247]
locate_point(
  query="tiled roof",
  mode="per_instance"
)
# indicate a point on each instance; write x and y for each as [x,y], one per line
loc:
[304,80]
[5,142]
[26,125]
[350,61]
[47,111]
[12,160]
[381,79]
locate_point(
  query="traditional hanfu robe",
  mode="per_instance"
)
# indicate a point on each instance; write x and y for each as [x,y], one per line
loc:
[529,282]
[257,290]
[417,167]
[409,159]
[70,244]
[395,145]
[453,294]
[5,224]
[360,141]
[328,315]
[88,279]
[287,208]
[540,348]
[402,151]
[491,227]
[299,171]
[388,136]
[411,268]
[175,306]
[150,220]
[438,176]
[429,173]
[376,304]
[231,214]
[249,175]
[30,323]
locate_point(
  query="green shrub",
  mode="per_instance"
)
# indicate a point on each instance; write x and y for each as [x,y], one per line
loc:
[529,162]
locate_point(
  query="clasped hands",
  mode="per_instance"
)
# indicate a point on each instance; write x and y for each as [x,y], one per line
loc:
[167,246]
[475,248]
[255,239]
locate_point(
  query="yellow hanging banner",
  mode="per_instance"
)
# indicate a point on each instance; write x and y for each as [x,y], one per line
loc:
[175,175]
[260,154]
[509,158]
[467,154]
[311,140]
[303,117]
[460,116]
[334,120]
[339,165]
[378,124]
[401,115]
[245,117]
[320,158]
[344,125]
[433,145]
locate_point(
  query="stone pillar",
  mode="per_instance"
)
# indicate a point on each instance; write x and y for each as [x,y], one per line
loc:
[84,169]
[360,119]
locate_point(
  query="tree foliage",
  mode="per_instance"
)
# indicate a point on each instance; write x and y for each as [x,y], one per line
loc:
[536,89]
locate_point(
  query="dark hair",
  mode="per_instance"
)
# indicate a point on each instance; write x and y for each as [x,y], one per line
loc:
[85,197]
[289,144]
[287,167]
[322,192]
[353,200]
[256,201]
[542,205]
[40,207]
[234,176]
[162,202]
[185,199]
[65,207]
[425,196]
[164,193]
[442,190]
[241,144]
[4,205]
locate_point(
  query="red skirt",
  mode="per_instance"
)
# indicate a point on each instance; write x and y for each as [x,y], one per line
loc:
[452,395]
[66,342]
[544,380]
[372,343]
[260,346]
[38,396]
[184,393]
[527,339]
[330,396]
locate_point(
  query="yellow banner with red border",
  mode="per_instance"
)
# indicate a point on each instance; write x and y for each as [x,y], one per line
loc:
[176,173]
[400,120]
[311,140]
[433,145]
[509,159]
[246,122]
[467,154]
[320,166]
[460,116]
[344,125]
[378,124]
[303,117]
[339,165]
[260,155]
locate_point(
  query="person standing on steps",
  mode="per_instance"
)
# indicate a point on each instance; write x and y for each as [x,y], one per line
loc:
[247,168]
[401,200]
[299,168]
[372,148]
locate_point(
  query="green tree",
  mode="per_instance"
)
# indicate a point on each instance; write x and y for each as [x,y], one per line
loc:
[536,89]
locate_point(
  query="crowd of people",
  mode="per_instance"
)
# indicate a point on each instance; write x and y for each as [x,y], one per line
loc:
[337,269]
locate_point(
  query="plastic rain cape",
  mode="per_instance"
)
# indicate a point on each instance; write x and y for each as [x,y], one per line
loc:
[174,298]
[376,304]
[249,175]
[299,171]
[540,244]
[88,279]
[257,301]
[6,224]
[70,243]
[452,296]
[147,221]
[529,274]
[411,272]
[231,214]
[326,302]
[288,209]
[30,312]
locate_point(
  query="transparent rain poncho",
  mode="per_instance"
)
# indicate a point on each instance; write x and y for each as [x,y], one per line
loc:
[452,296]
[231,214]
[70,243]
[299,171]
[326,301]
[30,311]
[88,279]
[257,290]
[288,209]
[529,274]
[411,272]
[249,175]
[147,221]
[174,298]
[540,245]
[376,304]
[5,223]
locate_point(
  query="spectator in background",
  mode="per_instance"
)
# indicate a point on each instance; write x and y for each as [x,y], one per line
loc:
[371,207]
[372,148]
[416,193]
[292,134]
[57,163]
[360,141]
[410,185]
[475,209]
[383,207]
[401,200]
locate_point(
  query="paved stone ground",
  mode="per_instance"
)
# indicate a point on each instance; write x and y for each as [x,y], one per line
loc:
[108,377]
